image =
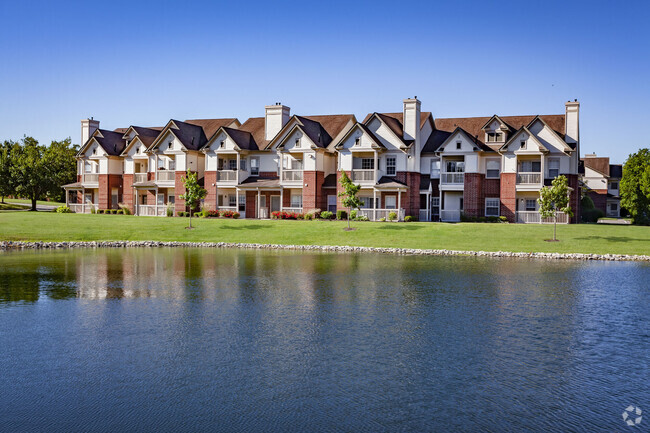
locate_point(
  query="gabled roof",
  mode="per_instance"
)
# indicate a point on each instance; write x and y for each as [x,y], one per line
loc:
[467,135]
[390,182]
[559,136]
[243,139]
[320,129]
[395,122]
[474,126]
[111,141]
[435,140]
[502,124]
[366,130]
[599,164]
[193,134]
[210,126]
[530,134]
[146,135]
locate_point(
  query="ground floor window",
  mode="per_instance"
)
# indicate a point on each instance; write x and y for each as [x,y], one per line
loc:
[367,202]
[242,203]
[391,202]
[492,206]
[435,207]
[531,205]
[232,200]
[331,203]
[296,200]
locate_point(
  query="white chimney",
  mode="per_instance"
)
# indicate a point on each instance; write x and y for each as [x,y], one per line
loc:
[572,120]
[276,117]
[88,127]
[412,120]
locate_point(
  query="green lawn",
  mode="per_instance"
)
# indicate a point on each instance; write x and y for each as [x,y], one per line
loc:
[582,238]
[12,206]
[29,202]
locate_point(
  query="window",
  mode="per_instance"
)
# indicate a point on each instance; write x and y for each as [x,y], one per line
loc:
[613,185]
[232,164]
[242,203]
[494,137]
[88,167]
[363,163]
[459,145]
[492,207]
[161,164]
[462,202]
[357,141]
[290,163]
[171,198]
[94,150]
[171,145]
[435,207]
[613,207]
[232,200]
[242,164]
[297,142]
[391,166]
[160,199]
[531,205]
[255,166]
[530,166]
[222,145]
[553,168]
[296,200]
[137,149]
[367,202]
[492,168]
[522,144]
[391,202]
[455,166]
[172,164]
[435,169]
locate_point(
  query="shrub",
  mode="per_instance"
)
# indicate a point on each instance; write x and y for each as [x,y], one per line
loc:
[362,218]
[592,215]
[408,219]
[120,211]
[181,213]
[503,219]
[309,216]
[392,216]
[63,209]
[100,211]
[353,214]
[326,215]
[114,211]
[125,209]
[92,209]
[341,215]
[587,203]
[228,214]
[482,219]
[493,219]
[382,219]
[314,212]
[212,213]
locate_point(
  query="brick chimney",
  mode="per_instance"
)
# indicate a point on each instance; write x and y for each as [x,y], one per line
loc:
[276,117]
[88,127]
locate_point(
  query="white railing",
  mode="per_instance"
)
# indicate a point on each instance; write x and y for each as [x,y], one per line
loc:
[139,177]
[292,209]
[226,175]
[146,210]
[363,175]
[377,214]
[232,208]
[424,215]
[450,215]
[166,175]
[454,178]
[264,213]
[90,178]
[291,175]
[76,207]
[533,217]
[529,178]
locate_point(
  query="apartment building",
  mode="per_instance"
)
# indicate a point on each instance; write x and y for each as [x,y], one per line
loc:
[407,162]
[601,181]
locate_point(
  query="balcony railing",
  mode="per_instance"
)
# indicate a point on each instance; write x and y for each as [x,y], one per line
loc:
[363,175]
[150,210]
[139,177]
[529,178]
[533,217]
[90,178]
[292,175]
[378,214]
[452,178]
[450,215]
[166,175]
[81,208]
[226,175]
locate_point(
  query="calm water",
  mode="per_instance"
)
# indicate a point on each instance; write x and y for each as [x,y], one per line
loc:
[208,340]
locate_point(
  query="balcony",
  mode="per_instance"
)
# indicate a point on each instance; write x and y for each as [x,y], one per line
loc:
[151,210]
[452,178]
[363,175]
[139,177]
[164,175]
[377,214]
[530,178]
[292,175]
[90,178]
[533,217]
[226,175]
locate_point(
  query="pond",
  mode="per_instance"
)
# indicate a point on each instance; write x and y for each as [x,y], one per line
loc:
[239,340]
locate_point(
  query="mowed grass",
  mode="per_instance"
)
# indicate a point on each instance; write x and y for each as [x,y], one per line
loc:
[581,238]
[29,202]
[12,206]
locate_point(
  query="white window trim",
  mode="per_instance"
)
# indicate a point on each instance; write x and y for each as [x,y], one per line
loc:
[498,161]
[498,206]
[394,166]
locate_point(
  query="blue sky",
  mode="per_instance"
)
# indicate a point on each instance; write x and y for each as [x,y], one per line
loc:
[144,62]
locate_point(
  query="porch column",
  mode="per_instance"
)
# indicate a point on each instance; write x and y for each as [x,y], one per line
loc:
[542,165]
[258,203]
[376,167]
[156,208]
[374,204]
[67,196]
[399,203]
[237,175]
[83,200]
[281,198]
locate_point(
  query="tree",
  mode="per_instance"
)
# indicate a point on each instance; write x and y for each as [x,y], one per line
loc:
[553,200]
[60,157]
[194,192]
[6,179]
[29,171]
[635,186]
[349,194]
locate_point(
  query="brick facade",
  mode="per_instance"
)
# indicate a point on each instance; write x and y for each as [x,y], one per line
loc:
[410,198]
[473,195]
[179,188]
[127,191]
[509,195]
[210,185]
[313,195]
[574,198]
[599,197]
[339,189]
[106,184]
[269,174]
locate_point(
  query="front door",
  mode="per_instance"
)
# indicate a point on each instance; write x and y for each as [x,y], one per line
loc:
[275,203]
[331,203]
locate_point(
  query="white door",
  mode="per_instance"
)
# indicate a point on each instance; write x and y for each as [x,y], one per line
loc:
[275,203]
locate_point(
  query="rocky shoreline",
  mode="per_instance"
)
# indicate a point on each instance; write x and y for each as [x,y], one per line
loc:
[18,245]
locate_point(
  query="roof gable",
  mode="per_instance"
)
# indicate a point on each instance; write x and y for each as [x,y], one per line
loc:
[465,139]
[364,131]
[110,141]
[527,136]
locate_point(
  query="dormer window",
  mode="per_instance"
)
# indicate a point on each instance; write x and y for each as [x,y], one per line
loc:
[171,145]
[494,137]
[297,142]
[522,145]
[459,145]
[94,151]
[357,141]
[222,145]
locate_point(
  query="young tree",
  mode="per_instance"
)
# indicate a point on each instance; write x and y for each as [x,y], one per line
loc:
[349,194]
[31,176]
[6,179]
[635,186]
[194,192]
[553,200]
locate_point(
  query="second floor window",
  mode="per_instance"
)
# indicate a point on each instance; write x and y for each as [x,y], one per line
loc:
[492,168]
[88,167]
[553,168]
[255,166]
[242,164]
[530,166]
[435,169]
[391,166]
[172,164]
[232,164]
[494,137]
[363,164]
[455,166]
[613,185]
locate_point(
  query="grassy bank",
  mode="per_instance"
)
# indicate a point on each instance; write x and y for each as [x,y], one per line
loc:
[592,238]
